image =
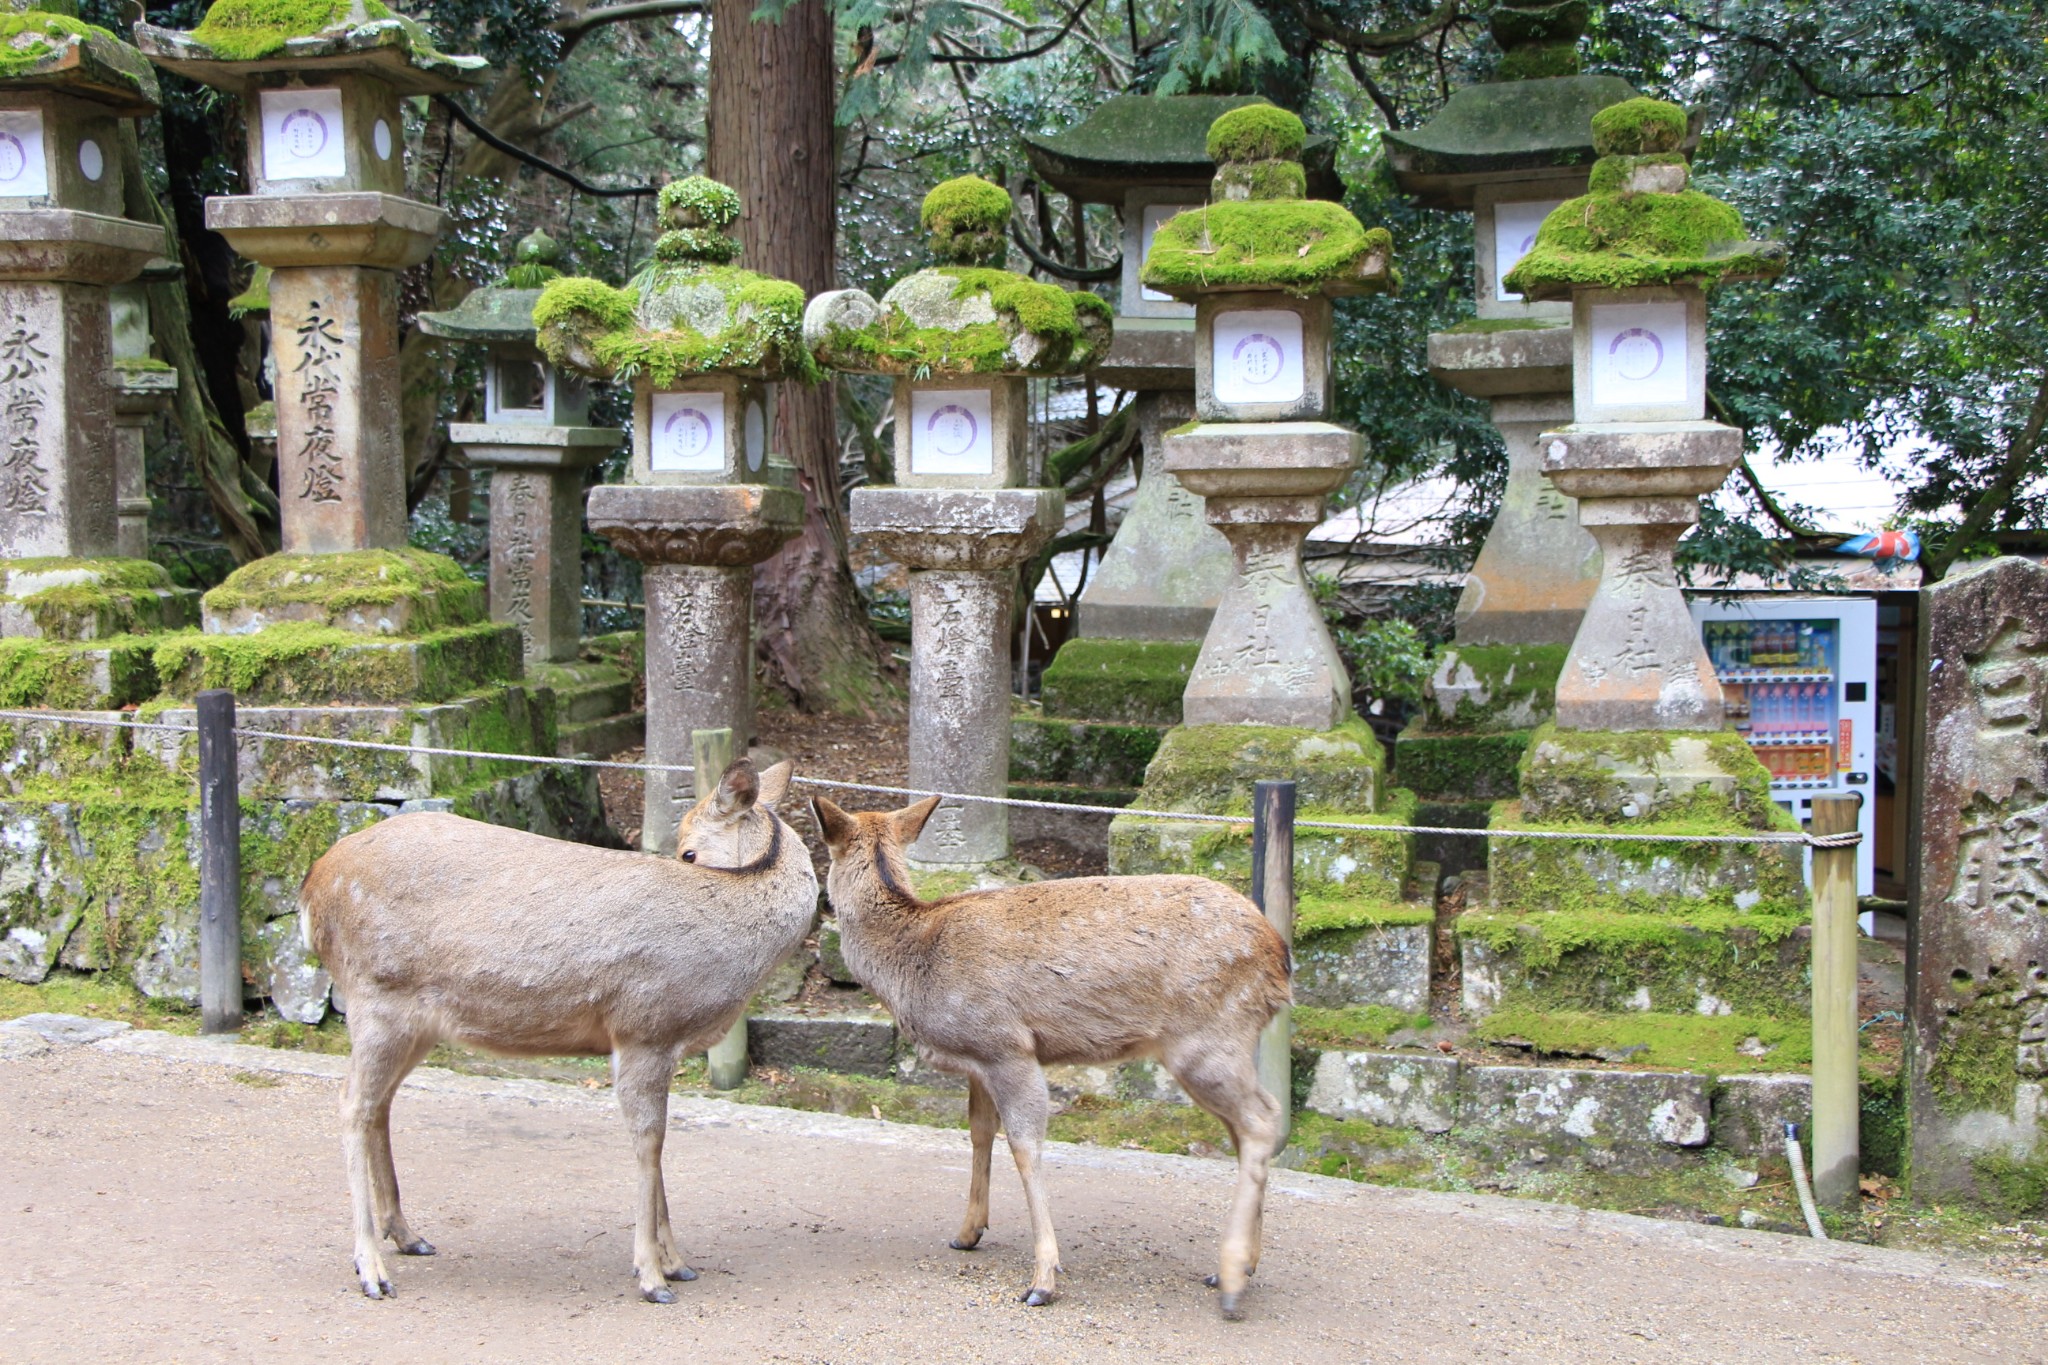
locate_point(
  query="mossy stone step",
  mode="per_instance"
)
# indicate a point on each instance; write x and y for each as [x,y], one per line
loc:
[584,691]
[91,599]
[1131,681]
[1072,794]
[307,663]
[1461,767]
[94,675]
[1048,749]
[1338,865]
[1493,688]
[404,592]
[1379,958]
[605,736]
[1213,768]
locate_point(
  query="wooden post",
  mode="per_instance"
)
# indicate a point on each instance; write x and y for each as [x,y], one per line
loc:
[711,751]
[1273,892]
[220,867]
[1837,1105]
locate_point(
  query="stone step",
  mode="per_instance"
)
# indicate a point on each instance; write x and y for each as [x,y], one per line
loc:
[593,701]
[1125,681]
[605,736]
[1048,749]
[304,663]
[1363,953]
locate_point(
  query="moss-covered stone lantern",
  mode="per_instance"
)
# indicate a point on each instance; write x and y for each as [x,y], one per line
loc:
[66,90]
[701,340]
[143,388]
[960,339]
[533,440]
[320,84]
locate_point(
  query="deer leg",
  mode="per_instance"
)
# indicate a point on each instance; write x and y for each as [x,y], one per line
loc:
[379,1059]
[641,1079]
[981,1124]
[384,1175]
[1018,1089]
[1227,1085]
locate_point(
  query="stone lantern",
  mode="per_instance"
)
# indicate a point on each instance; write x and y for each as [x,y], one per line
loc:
[1162,575]
[143,388]
[960,340]
[320,89]
[702,342]
[1261,264]
[533,439]
[66,91]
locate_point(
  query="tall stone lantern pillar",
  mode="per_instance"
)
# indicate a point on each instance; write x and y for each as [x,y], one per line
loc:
[1508,152]
[143,388]
[533,441]
[960,339]
[67,90]
[326,210]
[703,343]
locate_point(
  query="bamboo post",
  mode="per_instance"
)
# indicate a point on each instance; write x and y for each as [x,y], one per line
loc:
[220,866]
[1273,893]
[710,753]
[1837,1104]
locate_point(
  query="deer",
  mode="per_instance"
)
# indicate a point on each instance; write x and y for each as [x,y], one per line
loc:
[992,985]
[437,928]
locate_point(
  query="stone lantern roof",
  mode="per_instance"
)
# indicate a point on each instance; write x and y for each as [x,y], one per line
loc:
[1638,224]
[1261,232]
[46,47]
[1129,141]
[687,313]
[502,312]
[964,316]
[239,41]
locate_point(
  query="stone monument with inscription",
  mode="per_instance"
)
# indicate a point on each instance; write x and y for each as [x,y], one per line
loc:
[1508,151]
[1977,999]
[960,339]
[533,440]
[704,343]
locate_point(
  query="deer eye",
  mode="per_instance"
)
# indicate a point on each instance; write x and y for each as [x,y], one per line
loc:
[689,855]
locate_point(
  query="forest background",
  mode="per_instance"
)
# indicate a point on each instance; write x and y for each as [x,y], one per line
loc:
[1899,148]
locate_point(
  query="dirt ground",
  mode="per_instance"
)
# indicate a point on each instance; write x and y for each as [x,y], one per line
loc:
[172,1199]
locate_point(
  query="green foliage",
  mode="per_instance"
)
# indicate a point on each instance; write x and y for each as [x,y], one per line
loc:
[964,219]
[1256,132]
[1220,47]
[1638,127]
[1306,247]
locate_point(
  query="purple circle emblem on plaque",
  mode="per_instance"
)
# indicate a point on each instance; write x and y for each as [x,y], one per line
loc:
[13,157]
[952,429]
[304,132]
[690,430]
[1258,359]
[1637,354]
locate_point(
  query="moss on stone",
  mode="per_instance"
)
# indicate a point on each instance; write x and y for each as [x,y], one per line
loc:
[302,662]
[1459,766]
[1260,180]
[92,675]
[2012,1186]
[249,30]
[1488,326]
[1351,1026]
[430,589]
[1975,1064]
[1256,132]
[1045,749]
[1302,247]
[1714,1044]
[42,42]
[1612,174]
[588,324]
[1688,782]
[1358,867]
[255,300]
[1067,331]
[697,201]
[1542,61]
[1638,127]
[1355,1149]
[964,219]
[1211,768]
[1495,687]
[1623,876]
[1316,915]
[1094,678]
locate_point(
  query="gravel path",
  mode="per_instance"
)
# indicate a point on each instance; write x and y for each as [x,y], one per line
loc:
[172,1199]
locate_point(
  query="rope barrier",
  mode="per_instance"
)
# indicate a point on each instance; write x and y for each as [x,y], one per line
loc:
[1070,807]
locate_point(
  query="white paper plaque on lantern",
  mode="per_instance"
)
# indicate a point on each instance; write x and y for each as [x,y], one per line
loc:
[1514,232]
[688,435]
[754,435]
[22,168]
[92,162]
[952,431]
[1257,356]
[1638,353]
[1153,215]
[380,138]
[302,135]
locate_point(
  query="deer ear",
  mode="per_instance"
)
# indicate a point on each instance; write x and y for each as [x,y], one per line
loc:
[775,782]
[833,823]
[910,821]
[737,788]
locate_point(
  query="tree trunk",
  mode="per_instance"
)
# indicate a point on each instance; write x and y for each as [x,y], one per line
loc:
[770,137]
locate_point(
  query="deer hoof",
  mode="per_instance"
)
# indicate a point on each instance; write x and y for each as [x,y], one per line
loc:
[378,1289]
[1233,1310]
[418,1246]
[965,1243]
[661,1293]
[1036,1298]
[680,1273]
[1211,1280]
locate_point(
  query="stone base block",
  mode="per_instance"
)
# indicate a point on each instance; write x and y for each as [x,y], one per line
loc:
[1490,688]
[863,1044]
[1134,681]
[1374,964]
[1552,1108]
[88,676]
[91,599]
[1750,1113]
[1544,876]
[1080,753]
[1613,778]
[1463,767]
[403,592]
[309,663]
[1705,962]
[1395,1090]
[1212,768]
[1330,865]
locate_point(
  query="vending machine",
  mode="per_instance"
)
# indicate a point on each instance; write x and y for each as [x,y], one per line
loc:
[1799,678]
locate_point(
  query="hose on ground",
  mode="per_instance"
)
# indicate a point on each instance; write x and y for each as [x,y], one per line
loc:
[1800,1182]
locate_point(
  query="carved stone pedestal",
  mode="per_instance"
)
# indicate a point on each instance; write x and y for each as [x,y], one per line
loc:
[962,547]
[1268,658]
[140,395]
[699,544]
[537,525]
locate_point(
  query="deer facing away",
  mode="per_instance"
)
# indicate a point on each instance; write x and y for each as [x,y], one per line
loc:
[993,984]
[439,928]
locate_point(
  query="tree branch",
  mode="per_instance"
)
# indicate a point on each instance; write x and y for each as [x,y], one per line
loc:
[1097,275]
[999,58]
[1372,90]
[2019,459]
[491,139]
[1383,42]
[1783,51]
[574,30]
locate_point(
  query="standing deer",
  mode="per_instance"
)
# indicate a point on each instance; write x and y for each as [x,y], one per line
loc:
[438,928]
[991,985]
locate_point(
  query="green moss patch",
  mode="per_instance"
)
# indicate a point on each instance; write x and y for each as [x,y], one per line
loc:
[91,599]
[1689,782]
[1139,681]
[1722,1044]
[94,675]
[964,219]
[1975,1065]
[1048,750]
[416,590]
[306,663]
[1256,132]
[1069,330]
[1496,687]
[1212,768]
[590,325]
[1461,767]
[1303,247]
[1640,876]
[1638,126]
[1539,62]
[1359,867]
[1324,914]
[35,41]
[1351,1026]
[248,30]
